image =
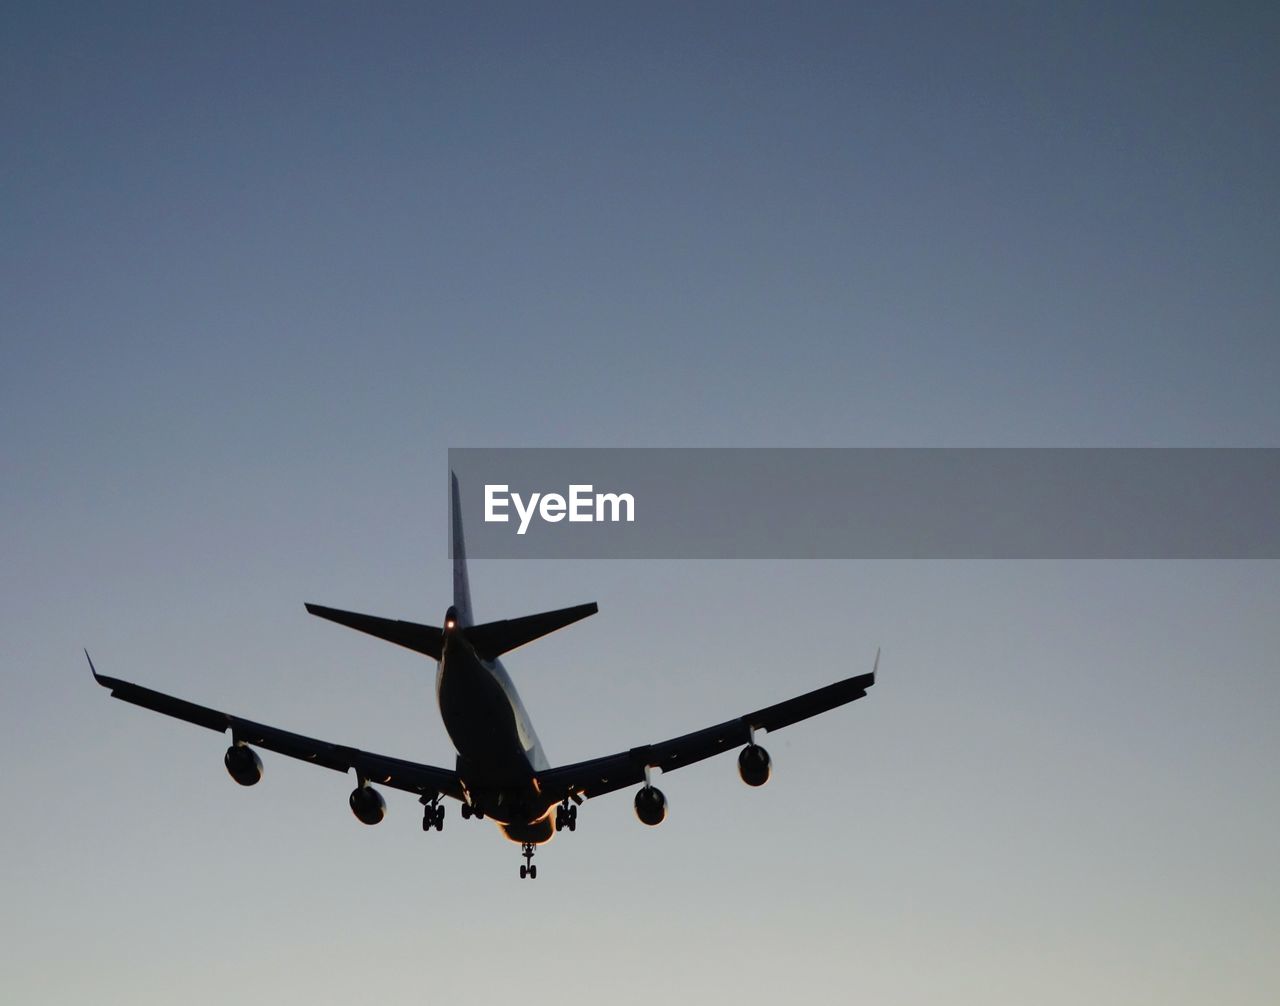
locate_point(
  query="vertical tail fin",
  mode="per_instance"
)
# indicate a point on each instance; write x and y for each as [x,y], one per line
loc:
[461,583]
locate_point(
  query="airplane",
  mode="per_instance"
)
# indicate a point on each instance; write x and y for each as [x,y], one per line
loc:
[501,770]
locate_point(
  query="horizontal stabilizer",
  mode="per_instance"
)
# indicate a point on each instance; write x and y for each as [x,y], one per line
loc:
[493,639]
[422,638]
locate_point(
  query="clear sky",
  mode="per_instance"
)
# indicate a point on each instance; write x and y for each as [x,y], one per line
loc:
[264,264]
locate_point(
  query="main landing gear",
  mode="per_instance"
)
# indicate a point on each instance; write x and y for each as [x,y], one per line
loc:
[566,816]
[527,869]
[433,814]
[470,811]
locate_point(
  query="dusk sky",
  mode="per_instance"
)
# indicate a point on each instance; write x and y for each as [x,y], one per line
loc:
[264,264]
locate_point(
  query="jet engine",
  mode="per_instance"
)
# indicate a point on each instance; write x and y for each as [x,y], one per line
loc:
[754,765]
[367,805]
[651,805]
[243,764]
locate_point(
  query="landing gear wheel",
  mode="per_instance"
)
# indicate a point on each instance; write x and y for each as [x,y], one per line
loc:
[528,869]
[566,816]
[432,814]
[466,811]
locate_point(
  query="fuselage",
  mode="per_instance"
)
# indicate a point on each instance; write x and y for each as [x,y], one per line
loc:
[499,754]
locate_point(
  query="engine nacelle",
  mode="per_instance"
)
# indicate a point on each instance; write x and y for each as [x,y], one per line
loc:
[651,806]
[754,765]
[243,764]
[367,805]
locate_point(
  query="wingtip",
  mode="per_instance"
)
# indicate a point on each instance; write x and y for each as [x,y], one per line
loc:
[876,666]
[92,670]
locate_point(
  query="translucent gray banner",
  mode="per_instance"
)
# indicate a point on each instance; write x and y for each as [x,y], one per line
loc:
[869,503]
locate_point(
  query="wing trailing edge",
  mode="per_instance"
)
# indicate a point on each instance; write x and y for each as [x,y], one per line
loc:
[412,777]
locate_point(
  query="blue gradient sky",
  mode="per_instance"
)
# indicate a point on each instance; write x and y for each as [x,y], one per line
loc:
[262,266]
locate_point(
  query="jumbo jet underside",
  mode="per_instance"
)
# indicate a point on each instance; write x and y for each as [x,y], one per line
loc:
[501,771]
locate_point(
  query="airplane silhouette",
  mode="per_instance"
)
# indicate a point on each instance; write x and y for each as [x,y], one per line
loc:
[501,772]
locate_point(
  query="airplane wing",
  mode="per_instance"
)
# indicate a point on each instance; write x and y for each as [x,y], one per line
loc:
[627,768]
[386,771]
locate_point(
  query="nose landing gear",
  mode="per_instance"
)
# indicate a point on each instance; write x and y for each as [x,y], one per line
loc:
[527,869]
